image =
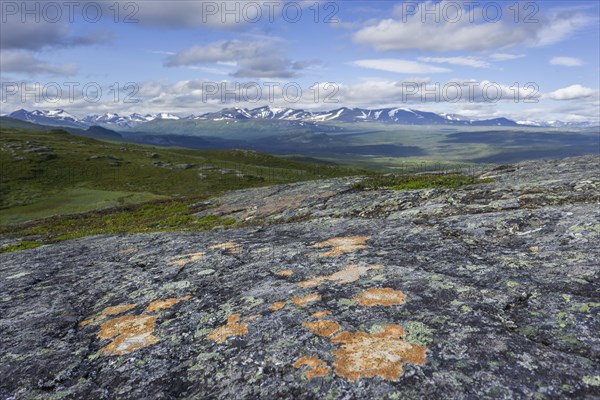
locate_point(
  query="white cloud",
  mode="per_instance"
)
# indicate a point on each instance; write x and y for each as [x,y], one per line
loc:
[185,14]
[399,66]
[571,93]
[474,62]
[22,62]
[505,56]
[15,34]
[470,32]
[566,61]
[253,59]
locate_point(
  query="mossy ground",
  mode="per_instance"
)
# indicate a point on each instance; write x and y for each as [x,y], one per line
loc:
[421,181]
[159,216]
[47,173]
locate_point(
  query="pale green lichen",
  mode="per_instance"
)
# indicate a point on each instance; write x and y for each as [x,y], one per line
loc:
[346,302]
[591,380]
[418,333]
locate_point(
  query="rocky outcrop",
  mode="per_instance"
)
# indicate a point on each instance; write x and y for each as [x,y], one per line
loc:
[324,291]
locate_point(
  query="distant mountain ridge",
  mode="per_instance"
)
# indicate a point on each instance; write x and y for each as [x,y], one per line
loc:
[399,115]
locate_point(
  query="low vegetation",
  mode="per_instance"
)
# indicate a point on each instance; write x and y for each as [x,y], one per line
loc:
[160,216]
[46,173]
[421,181]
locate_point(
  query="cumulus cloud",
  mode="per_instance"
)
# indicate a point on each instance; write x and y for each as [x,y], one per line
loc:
[470,61]
[253,59]
[505,56]
[22,62]
[572,92]
[423,92]
[15,34]
[467,31]
[566,61]
[189,14]
[399,66]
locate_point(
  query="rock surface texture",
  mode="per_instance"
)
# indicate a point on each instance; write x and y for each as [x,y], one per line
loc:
[324,292]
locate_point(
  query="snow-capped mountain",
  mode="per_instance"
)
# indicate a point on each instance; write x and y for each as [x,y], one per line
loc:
[233,113]
[404,116]
[115,120]
[49,117]
[288,114]
[559,124]
[125,121]
[344,114]
[109,120]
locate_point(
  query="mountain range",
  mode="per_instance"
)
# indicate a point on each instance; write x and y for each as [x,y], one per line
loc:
[401,116]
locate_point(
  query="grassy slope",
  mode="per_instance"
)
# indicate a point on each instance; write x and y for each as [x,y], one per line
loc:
[79,174]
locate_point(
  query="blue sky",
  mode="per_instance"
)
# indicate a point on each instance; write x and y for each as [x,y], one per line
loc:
[471,58]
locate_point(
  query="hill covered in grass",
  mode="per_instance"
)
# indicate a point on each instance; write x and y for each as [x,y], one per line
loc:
[48,172]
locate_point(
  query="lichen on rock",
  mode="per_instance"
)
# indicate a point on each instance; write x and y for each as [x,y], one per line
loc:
[306,300]
[341,245]
[321,314]
[349,274]
[129,333]
[113,310]
[322,327]
[488,317]
[184,259]
[229,247]
[380,297]
[278,305]
[232,328]
[380,354]
[163,304]
[317,367]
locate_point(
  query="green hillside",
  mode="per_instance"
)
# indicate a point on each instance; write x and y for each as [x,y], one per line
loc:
[47,173]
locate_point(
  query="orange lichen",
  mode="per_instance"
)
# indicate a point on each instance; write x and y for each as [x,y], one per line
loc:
[162,304]
[303,301]
[180,261]
[317,367]
[382,297]
[341,245]
[114,310]
[251,318]
[287,272]
[232,328]
[230,247]
[349,274]
[278,306]
[130,332]
[322,327]
[321,314]
[380,354]
[312,282]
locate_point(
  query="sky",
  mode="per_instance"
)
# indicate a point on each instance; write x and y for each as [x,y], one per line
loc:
[526,60]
